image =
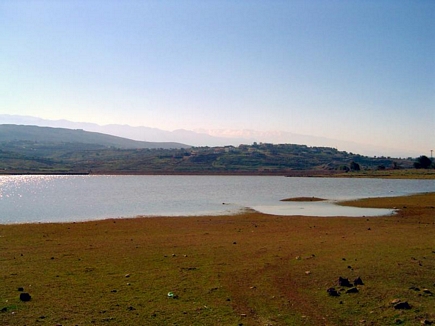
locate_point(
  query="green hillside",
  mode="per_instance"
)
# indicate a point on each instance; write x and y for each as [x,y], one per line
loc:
[10,133]
[27,149]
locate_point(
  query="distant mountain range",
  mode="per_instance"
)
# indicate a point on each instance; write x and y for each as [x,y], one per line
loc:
[203,137]
[11,132]
[141,133]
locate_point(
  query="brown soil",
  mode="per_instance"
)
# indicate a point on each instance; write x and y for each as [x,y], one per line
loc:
[248,269]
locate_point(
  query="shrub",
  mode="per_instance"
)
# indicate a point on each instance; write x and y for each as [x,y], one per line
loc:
[423,162]
[354,166]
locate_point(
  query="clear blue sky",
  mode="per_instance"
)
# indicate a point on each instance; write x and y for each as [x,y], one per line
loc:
[354,70]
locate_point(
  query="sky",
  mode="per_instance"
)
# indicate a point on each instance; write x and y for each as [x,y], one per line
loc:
[361,71]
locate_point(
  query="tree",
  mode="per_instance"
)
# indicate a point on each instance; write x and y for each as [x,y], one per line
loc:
[423,162]
[343,168]
[354,166]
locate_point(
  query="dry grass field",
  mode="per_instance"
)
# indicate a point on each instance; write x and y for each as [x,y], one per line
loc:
[248,269]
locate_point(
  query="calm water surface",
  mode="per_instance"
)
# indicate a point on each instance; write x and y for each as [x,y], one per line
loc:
[26,199]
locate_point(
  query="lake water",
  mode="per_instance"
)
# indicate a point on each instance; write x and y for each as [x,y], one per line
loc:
[25,199]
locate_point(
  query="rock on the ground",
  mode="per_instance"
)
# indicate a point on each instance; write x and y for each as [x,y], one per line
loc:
[344,282]
[24,296]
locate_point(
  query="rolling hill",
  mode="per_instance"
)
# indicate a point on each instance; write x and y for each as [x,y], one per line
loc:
[10,132]
[32,149]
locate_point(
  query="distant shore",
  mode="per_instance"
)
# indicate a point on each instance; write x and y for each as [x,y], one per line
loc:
[381,174]
[45,173]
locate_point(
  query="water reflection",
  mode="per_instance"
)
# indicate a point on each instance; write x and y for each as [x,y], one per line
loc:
[26,199]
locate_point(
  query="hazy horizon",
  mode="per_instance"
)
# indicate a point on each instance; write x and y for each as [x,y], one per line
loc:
[358,72]
[201,137]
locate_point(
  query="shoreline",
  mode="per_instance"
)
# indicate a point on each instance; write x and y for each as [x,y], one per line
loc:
[370,203]
[381,174]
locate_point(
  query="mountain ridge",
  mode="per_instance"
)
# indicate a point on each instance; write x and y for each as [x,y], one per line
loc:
[13,132]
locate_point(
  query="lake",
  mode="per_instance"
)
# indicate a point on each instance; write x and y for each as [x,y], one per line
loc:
[29,198]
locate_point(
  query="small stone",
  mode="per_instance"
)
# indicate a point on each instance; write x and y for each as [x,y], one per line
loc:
[25,296]
[21,289]
[352,290]
[427,291]
[358,281]
[426,322]
[127,275]
[307,272]
[171,295]
[344,282]
[332,292]
[402,305]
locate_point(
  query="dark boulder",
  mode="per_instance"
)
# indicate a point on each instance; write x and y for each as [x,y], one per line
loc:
[358,281]
[427,292]
[25,296]
[352,290]
[332,292]
[344,282]
[402,305]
